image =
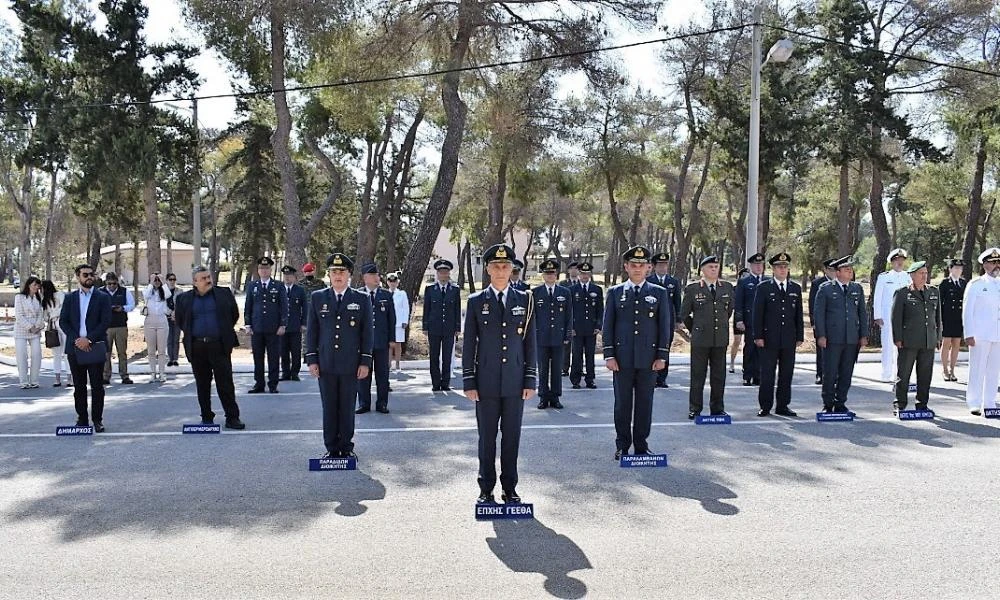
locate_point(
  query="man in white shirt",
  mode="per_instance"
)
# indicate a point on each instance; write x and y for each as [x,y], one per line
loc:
[885,288]
[981,325]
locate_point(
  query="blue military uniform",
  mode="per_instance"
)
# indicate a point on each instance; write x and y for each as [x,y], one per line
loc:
[442,322]
[384,311]
[499,362]
[841,320]
[778,322]
[516,282]
[553,324]
[746,289]
[291,342]
[588,318]
[339,339]
[813,289]
[638,319]
[265,312]
[673,287]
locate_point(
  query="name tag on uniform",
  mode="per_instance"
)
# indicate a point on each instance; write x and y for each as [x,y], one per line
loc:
[353,306]
[496,512]
[651,299]
[593,294]
[348,463]
[632,461]
[517,311]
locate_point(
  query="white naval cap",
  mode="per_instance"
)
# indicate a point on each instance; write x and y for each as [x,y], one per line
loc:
[897,252]
[989,254]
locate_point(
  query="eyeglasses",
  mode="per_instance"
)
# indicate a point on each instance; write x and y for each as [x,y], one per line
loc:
[172,279]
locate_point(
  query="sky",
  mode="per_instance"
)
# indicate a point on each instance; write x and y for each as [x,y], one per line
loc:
[167,24]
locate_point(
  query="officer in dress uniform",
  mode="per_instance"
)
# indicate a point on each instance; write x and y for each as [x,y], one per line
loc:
[553,324]
[705,311]
[265,316]
[442,322]
[588,318]
[638,323]
[291,342]
[952,290]
[516,281]
[885,288]
[660,277]
[981,326]
[778,329]
[384,311]
[829,274]
[841,323]
[499,370]
[572,276]
[745,290]
[916,333]
[339,351]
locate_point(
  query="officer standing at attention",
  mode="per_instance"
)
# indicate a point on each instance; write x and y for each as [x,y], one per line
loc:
[499,370]
[841,322]
[778,330]
[265,315]
[572,276]
[384,315]
[660,277]
[981,327]
[952,291]
[339,352]
[705,311]
[588,318]
[516,281]
[829,274]
[638,323]
[291,342]
[916,332]
[442,322]
[745,290]
[885,289]
[553,324]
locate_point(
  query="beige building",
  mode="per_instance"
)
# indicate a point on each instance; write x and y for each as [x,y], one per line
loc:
[180,263]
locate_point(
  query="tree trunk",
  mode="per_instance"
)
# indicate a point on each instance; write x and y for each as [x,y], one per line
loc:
[213,248]
[94,257]
[844,241]
[975,205]
[153,258]
[50,223]
[879,222]
[135,266]
[118,257]
[494,229]
[763,220]
[396,192]
[468,264]
[295,236]
[455,115]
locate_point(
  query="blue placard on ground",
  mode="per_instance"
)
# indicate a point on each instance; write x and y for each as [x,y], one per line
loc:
[915,415]
[333,464]
[991,413]
[631,461]
[74,430]
[714,420]
[201,428]
[494,512]
[823,417]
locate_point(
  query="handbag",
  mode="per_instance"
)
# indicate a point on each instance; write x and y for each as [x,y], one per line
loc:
[97,354]
[52,337]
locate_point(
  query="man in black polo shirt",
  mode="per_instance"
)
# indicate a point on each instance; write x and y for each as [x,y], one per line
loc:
[207,316]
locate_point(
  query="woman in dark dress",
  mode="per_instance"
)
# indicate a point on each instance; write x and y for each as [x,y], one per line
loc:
[952,290]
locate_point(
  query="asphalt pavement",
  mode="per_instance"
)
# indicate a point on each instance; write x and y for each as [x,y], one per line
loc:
[762,508]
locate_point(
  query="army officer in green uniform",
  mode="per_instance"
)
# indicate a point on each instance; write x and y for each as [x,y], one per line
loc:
[705,312]
[916,331]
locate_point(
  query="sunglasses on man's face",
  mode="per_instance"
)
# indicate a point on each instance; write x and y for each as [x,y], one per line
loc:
[87,275]
[172,279]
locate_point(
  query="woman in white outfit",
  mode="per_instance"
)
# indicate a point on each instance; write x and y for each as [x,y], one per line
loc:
[402,305]
[156,326]
[29,322]
[52,301]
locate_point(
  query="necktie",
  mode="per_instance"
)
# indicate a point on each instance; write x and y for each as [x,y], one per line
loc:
[500,302]
[373,300]
[550,293]
[339,298]
[711,288]
[782,284]
[844,285]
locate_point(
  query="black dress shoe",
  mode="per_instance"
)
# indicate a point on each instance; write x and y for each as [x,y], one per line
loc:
[555,404]
[975,413]
[510,497]
[362,411]
[98,427]
[763,413]
[436,388]
[747,382]
[661,385]
[786,412]
[486,498]
[692,415]
[646,452]
[107,382]
[331,455]
[295,378]
[565,373]
[284,378]
[349,454]
[273,390]
[720,414]
[382,409]
[829,410]
[445,388]
[841,409]
[205,421]
[235,423]
[819,380]
[126,381]
[755,382]
[920,406]
[80,423]
[618,454]
[732,370]
[591,386]
[543,404]
[255,390]
[576,386]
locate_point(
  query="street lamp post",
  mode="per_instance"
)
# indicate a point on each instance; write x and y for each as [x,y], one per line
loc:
[780,52]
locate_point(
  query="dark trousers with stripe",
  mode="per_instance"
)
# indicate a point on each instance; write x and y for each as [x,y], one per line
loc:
[584,347]
[550,359]
[271,344]
[441,350]
[703,358]
[633,408]
[838,369]
[503,415]
[782,360]
[380,371]
[338,393]
[291,354]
